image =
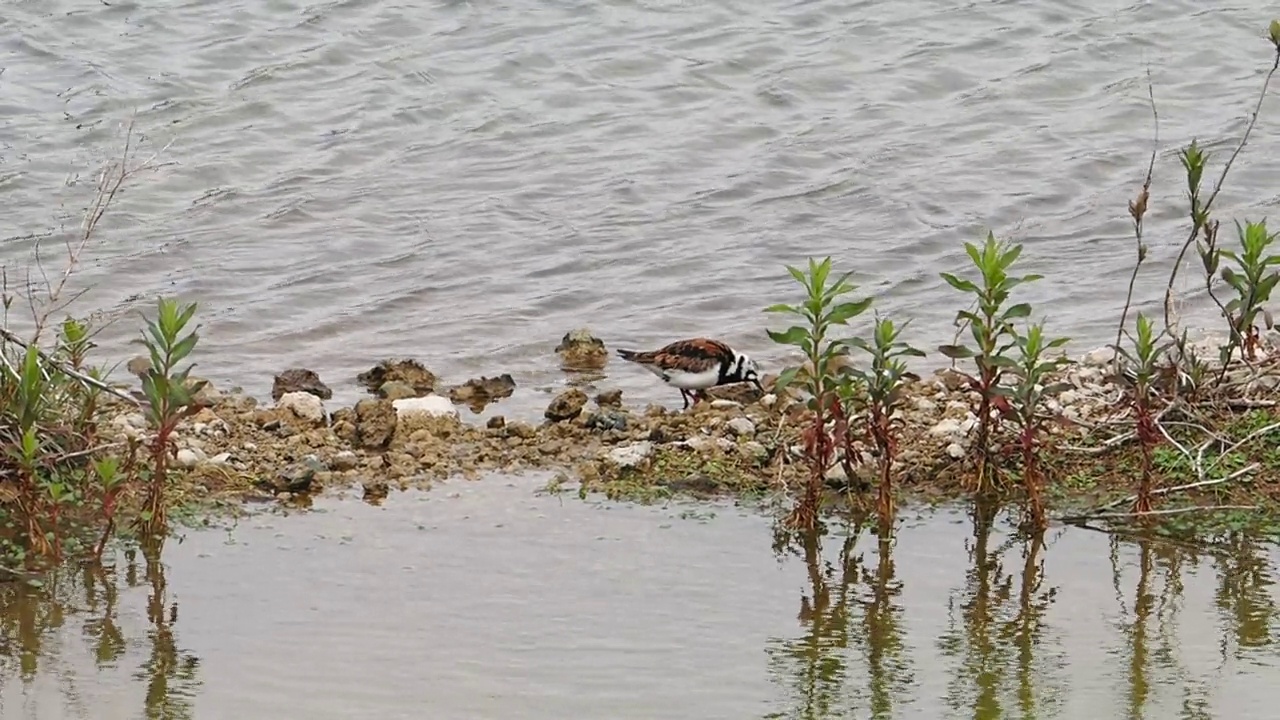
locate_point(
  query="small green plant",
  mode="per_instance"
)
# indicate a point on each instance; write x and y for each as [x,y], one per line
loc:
[882,384]
[170,398]
[1144,360]
[820,312]
[991,326]
[1253,283]
[1027,395]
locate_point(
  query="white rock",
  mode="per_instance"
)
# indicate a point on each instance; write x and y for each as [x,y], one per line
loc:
[700,443]
[191,457]
[723,404]
[955,451]
[214,428]
[345,460]
[741,427]
[1069,397]
[220,459]
[947,426]
[431,406]
[769,400]
[926,405]
[1098,357]
[633,455]
[304,405]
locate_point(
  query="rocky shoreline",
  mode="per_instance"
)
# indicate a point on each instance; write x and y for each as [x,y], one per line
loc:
[409,433]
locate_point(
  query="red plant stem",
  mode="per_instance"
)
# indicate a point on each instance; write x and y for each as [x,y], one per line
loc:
[1031,477]
[109,511]
[155,499]
[1147,438]
[984,420]
[884,440]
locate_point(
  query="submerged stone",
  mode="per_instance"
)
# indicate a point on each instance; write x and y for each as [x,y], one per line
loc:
[410,372]
[476,393]
[580,350]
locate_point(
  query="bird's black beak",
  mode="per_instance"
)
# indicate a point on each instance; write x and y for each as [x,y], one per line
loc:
[756,382]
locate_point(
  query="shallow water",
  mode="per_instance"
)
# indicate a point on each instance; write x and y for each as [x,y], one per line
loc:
[464,182]
[487,600]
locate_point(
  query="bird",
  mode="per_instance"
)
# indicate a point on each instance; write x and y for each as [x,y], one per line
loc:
[696,364]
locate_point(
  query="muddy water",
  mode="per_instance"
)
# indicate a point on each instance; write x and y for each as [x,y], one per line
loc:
[465,181]
[486,600]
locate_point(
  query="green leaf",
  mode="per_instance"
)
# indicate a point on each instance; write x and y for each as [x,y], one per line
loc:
[183,348]
[783,308]
[1021,310]
[841,313]
[794,335]
[959,283]
[956,352]
[785,378]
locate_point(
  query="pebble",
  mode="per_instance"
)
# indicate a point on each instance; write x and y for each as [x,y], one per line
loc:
[742,427]
[955,451]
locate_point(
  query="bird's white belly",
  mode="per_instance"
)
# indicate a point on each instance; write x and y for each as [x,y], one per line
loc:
[693,381]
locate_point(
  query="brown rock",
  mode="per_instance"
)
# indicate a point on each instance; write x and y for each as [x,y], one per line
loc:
[497,422]
[299,380]
[395,390]
[478,392]
[521,430]
[580,350]
[566,406]
[609,398]
[410,372]
[744,393]
[375,423]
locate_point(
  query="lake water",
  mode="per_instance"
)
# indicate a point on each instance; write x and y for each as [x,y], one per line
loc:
[486,600]
[465,181]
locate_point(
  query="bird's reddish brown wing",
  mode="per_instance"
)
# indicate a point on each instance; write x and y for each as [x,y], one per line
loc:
[693,355]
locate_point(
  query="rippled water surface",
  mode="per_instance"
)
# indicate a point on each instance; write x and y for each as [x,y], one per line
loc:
[465,181]
[484,600]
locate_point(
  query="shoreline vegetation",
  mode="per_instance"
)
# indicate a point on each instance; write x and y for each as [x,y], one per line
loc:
[1154,434]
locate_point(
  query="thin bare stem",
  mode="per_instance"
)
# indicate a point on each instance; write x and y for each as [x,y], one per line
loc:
[1138,210]
[1222,178]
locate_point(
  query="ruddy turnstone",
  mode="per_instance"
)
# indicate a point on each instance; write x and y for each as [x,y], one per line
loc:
[695,365]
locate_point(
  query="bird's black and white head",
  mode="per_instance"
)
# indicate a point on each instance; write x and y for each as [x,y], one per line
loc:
[745,370]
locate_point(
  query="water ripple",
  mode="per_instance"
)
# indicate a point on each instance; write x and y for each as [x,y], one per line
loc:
[465,182]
